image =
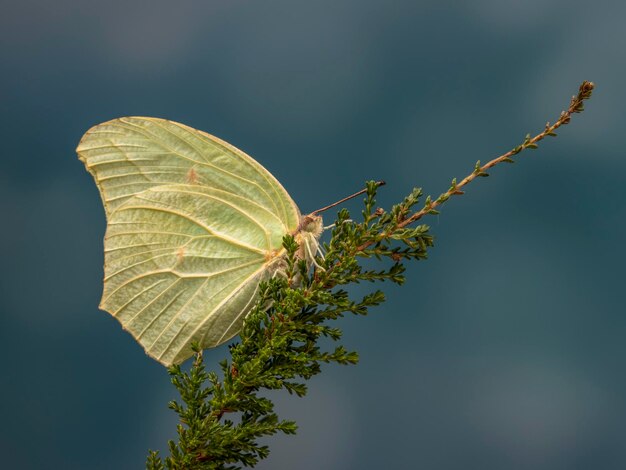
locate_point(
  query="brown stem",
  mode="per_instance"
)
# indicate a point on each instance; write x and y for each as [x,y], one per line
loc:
[576,106]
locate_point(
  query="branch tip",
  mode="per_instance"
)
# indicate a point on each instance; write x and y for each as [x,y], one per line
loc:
[576,105]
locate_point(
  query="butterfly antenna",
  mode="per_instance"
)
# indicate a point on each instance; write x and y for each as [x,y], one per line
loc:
[378,183]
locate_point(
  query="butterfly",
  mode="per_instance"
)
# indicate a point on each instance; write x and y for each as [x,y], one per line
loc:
[193,226]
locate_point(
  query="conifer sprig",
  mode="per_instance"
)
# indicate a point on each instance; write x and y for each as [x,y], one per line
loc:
[222,417]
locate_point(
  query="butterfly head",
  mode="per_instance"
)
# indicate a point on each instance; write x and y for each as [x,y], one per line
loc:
[311,224]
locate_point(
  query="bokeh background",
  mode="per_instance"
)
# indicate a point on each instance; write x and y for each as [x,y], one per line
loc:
[504,350]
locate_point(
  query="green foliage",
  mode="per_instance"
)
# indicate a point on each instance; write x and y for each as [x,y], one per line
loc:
[221,420]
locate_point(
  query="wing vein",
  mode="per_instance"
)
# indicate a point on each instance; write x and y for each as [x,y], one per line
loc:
[230,240]
[136,296]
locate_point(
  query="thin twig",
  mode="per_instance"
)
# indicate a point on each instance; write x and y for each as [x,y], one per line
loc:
[576,106]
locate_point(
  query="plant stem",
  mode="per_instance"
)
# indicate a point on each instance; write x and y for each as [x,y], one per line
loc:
[576,106]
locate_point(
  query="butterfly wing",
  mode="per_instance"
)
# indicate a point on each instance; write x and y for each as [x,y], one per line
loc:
[131,154]
[194,225]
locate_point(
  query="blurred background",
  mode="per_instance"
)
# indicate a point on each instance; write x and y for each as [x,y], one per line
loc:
[504,350]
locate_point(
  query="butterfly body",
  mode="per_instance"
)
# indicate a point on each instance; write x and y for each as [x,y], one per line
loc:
[193,226]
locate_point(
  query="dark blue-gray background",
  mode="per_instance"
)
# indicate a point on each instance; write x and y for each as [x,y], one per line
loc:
[504,350]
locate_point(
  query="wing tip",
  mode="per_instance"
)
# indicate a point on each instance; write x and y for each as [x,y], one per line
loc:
[82,146]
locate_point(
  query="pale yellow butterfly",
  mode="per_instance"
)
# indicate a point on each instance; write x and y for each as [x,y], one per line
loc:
[193,226]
